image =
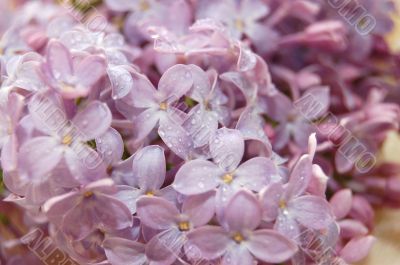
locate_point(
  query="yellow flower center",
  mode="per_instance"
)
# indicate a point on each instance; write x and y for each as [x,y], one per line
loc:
[282,204]
[88,194]
[67,140]
[184,226]
[227,178]
[150,193]
[163,106]
[239,24]
[144,5]
[238,237]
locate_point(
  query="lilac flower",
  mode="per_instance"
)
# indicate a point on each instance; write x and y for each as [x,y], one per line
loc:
[295,119]
[241,17]
[148,177]
[10,113]
[64,138]
[239,240]
[172,224]
[71,77]
[159,109]
[93,205]
[290,207]
[224,173]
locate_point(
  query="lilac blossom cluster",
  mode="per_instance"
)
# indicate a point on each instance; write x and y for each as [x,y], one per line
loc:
[232,132]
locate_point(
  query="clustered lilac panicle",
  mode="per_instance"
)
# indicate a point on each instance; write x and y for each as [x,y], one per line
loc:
[232,132]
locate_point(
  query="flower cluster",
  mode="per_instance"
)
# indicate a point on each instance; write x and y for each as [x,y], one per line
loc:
[231,132]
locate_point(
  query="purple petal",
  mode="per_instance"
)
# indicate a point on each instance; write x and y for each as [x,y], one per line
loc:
[256,173]
[165,247]
[149,167]
[200,208]
[59,60]
[120,251]
[243,212]
[175,82]
[90,70]
[144,123]
[311,211]
[211,241]
[93,120]
[227,148]
[121,81]
[341,203]
[270,198]
[111,146]
[238,255]
[196,177]
[175,137]
[39,156]
[300,177]
[270,246]
[357,249]
[128,195]
[157,213]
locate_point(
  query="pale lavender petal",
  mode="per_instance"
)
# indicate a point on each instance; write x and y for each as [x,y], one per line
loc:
[227,148]
[165,247]
[243,212]
[200,208]
[196,177]
[311,211]
[270,198]
[341,203]
[121,81]
[238,255]
[256,173]
[149,167]
[176,137]
[144,123]
[59,60]
[299,177]
[175,82]
[357,249]
[39,156]
[157,213]
[211,241]
[90,70]
[120,251]
[93,120]
[271,246]
[111,146]
[128,195]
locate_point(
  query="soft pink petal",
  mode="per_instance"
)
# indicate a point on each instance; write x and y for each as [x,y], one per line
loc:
[175,82]
[243,212]
[211,241]
[300,177]
[341,203]
[149,167]
[256,173]
[39,156]
[144,123]
[111,146]
[270,198]
[311,211]
[271,246]
[196,177]
[120,251]
[59,60]
[357,249]
[93,120]
[200,208]
[227,148]
[91,70]
[238,255]
[157,213]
